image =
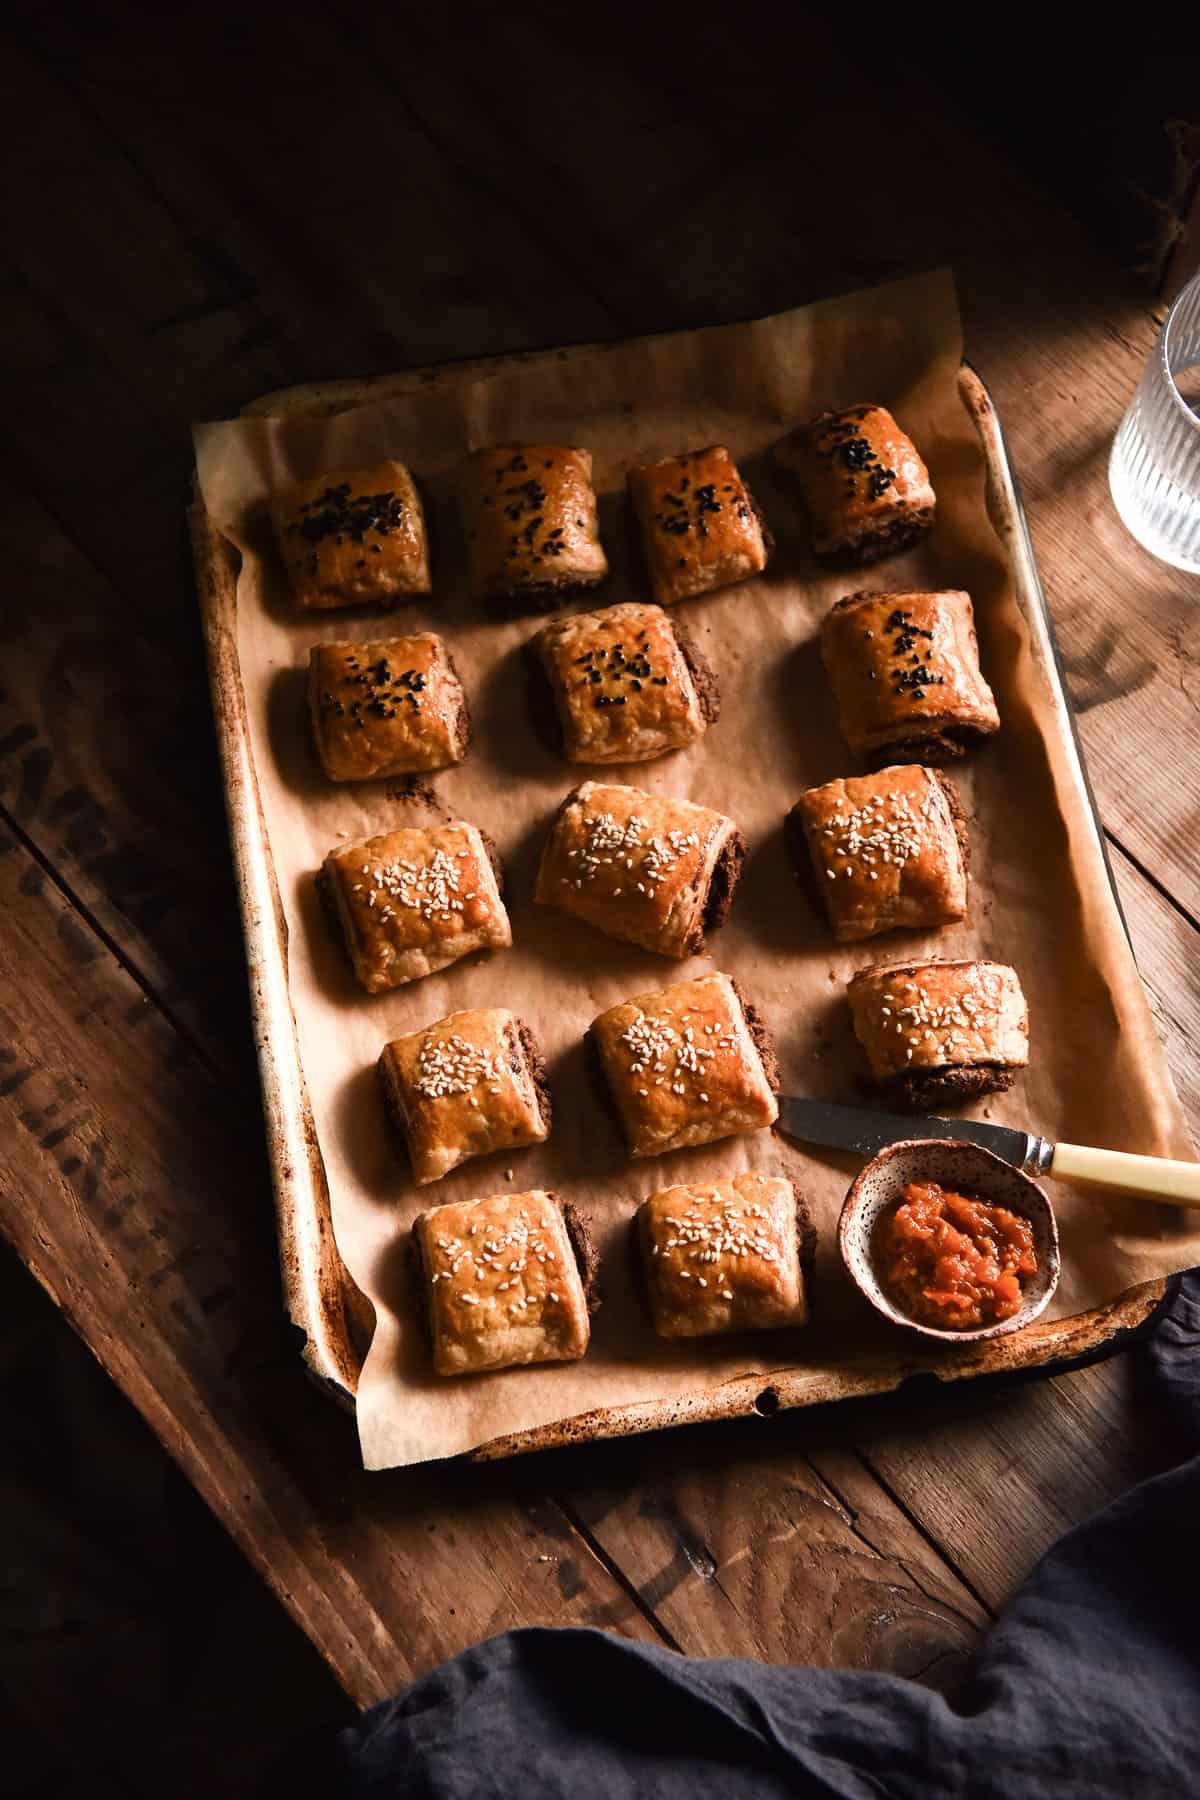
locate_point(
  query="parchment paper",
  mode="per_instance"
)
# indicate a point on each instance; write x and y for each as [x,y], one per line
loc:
[1040,899]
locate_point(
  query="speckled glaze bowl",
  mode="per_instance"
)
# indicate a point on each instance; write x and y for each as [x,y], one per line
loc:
[971,1170]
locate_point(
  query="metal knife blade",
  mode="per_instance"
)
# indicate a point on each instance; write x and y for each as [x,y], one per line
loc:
[864,1131]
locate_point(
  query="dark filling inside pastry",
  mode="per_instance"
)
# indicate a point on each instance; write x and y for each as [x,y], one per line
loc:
[946,743]
[926,1090]
[704,679]
[764,1043]
[872,543]
[535,1062]
[587,1261]
[727,872]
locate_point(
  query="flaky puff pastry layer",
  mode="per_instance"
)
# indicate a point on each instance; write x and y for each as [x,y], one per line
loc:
[647,868]
[389,707]
[415,900]
[528,515]
[933,1015]
[467,1085]
[886,852]
[627,685]
[687,1065]
[355,538]
[862,482]
[502,1282]
[699,525]
[905,673]
[724,1256]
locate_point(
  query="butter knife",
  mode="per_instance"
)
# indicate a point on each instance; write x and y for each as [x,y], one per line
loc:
[863,1131]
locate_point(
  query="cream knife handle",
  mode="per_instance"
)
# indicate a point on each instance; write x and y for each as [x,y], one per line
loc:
[1178,1183]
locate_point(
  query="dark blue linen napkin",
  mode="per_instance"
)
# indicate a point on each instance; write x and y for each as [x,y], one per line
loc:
[1089,1685]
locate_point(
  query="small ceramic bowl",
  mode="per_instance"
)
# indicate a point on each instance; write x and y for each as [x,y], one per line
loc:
[971,1170]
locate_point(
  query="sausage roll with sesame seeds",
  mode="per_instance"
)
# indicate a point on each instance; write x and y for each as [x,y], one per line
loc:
[862,484]
[700,528]
[353,539]
[415,900]
[507,1280]
[940,1034]
[627,682]
[386,708]
[469,1084]
[529,518]
[686,1065]
[730,1255]
[905,673]
[645,868]
[885,852]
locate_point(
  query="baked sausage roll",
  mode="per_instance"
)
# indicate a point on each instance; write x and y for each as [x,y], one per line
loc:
[941,1033]
[687,1065]
[864,487]
[906,677]
[529,516]
[645,868]
[507,1280]
[471,1083]
[386,708]
[628,684]
[415,900]
[353,539]
[888,852]
[727,1255]
[699,525]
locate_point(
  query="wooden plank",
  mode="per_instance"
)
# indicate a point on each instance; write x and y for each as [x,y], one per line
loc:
[1128,625]
[145,1215]
[993,1477]
[743,1544]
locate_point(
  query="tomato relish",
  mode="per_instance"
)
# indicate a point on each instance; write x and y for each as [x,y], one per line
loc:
[953,1262]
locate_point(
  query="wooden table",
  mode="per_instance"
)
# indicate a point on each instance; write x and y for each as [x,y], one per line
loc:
[366,200]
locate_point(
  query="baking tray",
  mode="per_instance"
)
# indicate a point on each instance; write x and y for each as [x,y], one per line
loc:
[333,1319]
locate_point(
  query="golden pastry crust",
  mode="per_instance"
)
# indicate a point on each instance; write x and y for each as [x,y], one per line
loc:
[686,1065]
[415,900]
[699,525]
[724,1256]
[905,673]
[645,868]
[356,538]
[466,1085]
[864,487]
[386,708]
[888,851]
[529,517]
[502,1282]
[625,688]
[944,1030]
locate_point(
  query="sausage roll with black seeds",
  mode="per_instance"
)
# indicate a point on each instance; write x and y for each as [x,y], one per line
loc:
[862,483]
[529,517]
[627,683]
[356,538]
[388,708]
[905,673]
[699,525]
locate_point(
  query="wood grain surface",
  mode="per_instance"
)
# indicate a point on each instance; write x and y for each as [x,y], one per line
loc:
[411,193]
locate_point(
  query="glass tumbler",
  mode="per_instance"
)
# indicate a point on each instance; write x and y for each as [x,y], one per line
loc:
[1154,469]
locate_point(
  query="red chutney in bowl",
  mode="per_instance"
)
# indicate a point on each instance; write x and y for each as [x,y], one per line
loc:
[953,1262]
